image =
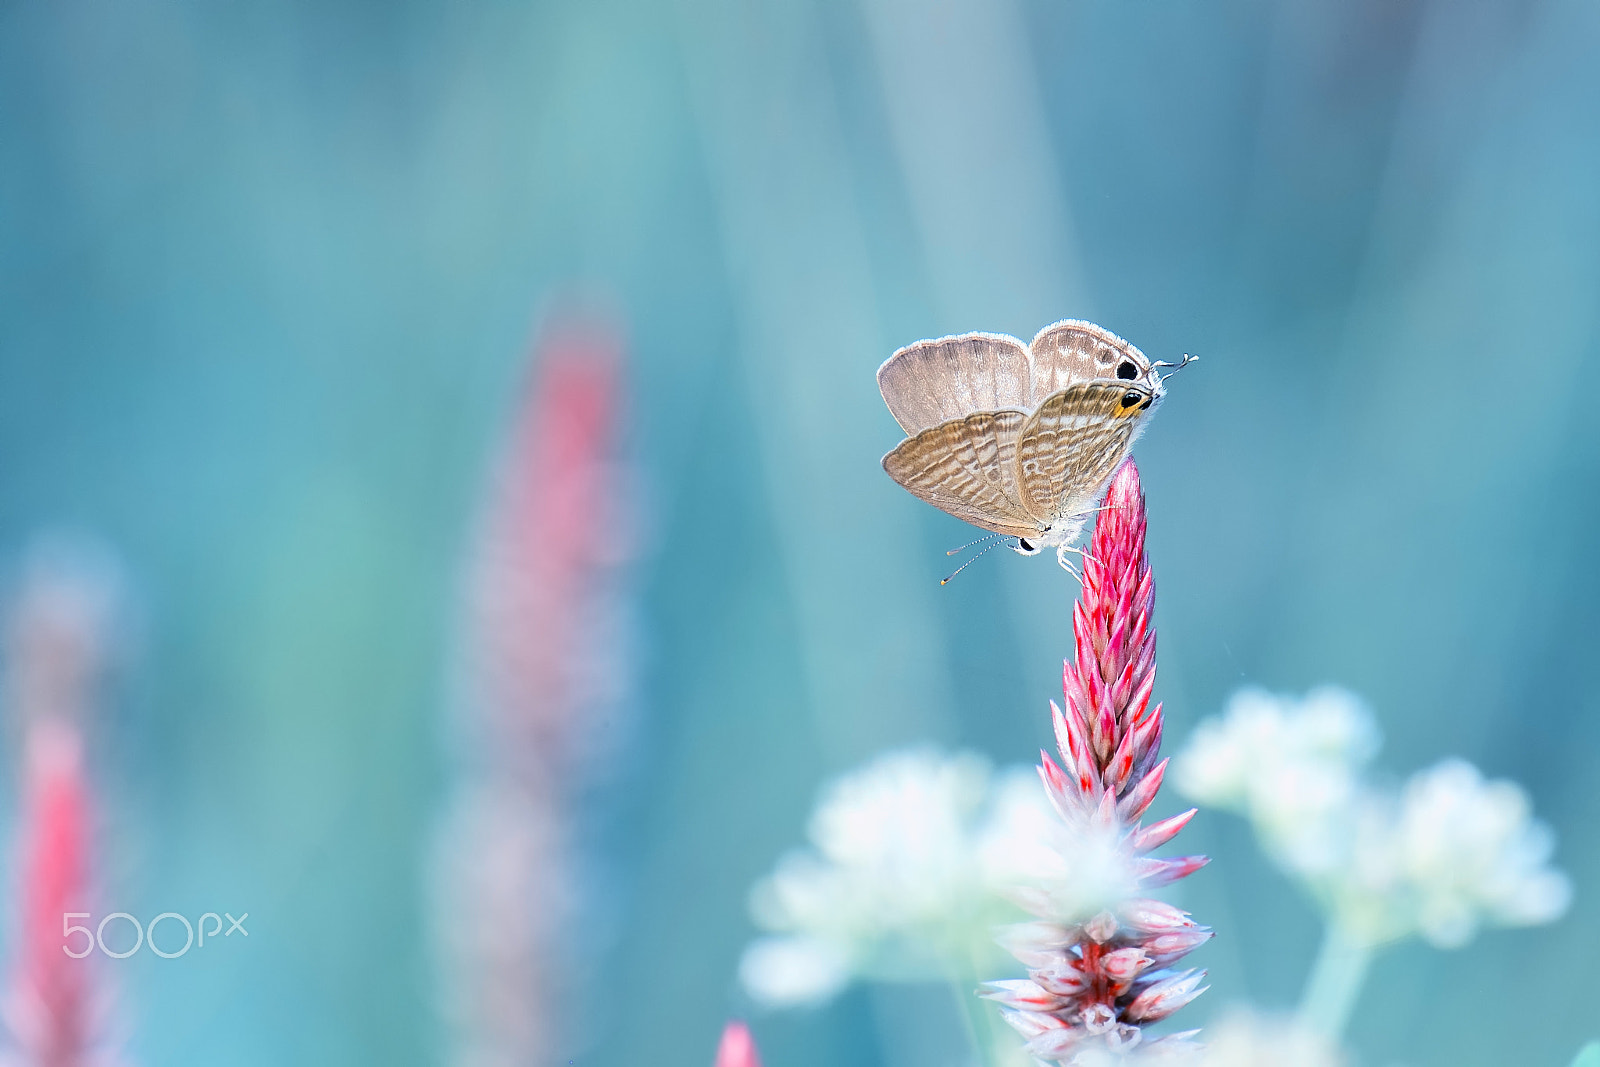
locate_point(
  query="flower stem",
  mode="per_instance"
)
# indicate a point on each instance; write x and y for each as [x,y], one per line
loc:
[1335,981]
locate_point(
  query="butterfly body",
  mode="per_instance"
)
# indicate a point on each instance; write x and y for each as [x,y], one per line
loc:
[1018,440]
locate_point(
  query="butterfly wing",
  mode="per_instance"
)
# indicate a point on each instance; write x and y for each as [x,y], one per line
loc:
[1068,449]
[933,382]
[1075,351]
[967,467]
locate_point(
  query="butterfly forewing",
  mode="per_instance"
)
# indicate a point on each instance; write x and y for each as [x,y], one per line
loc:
[1073,351]
[967,467]
[1069,447]
[933,382]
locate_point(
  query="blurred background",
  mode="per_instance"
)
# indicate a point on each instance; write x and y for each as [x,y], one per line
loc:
[308,312]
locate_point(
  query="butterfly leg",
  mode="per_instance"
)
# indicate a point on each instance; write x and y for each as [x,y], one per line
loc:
[1062,549]
[1066,565]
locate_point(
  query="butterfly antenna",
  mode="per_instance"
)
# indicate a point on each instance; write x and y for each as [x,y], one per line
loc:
[971,561]
[969,544]
[1176,367]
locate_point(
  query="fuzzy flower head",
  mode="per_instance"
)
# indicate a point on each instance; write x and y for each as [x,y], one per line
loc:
[1293,767]
[1464,851]
[1245,1038]
[1446,854]
[1100,956]
[901,880]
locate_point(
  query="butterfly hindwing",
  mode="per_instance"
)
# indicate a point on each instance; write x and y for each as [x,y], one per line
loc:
[933,382]
[967,467]
[1068,448]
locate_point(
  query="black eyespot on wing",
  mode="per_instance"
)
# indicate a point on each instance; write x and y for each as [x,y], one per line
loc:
[1147,402]
[1132,399]
[1127,371]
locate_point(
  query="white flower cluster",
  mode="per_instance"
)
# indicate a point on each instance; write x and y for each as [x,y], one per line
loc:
[908,857]
[1245,1038]
[1293,767]
[1448,853]
[1158,1054]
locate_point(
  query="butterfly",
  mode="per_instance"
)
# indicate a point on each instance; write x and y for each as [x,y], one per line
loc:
[1019,440]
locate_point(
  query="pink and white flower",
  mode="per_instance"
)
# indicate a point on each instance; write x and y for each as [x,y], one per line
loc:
[1100,955]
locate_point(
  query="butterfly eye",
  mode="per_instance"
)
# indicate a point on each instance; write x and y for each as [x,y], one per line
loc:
[1026,547]
[1127,371]
[1131,399]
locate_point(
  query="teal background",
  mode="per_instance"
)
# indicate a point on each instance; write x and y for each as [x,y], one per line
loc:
[268,279]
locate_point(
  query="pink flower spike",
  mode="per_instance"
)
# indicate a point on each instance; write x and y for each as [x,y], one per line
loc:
[1092,988]
[738,1047]
[1106,814]
[1121,766]
[1124,964]
[1165,997]
[1082,637]
[1021,993]
[1166,948]
[1059,800]
[1122,692]
[1154,917]
[1155,873]
[1031,1024]
[1147,743]
[1105,720]
[1062,791]
[1064,980]
[1077,706]
[1139,799]
[1139,703]
[1160,833]
[1070,740]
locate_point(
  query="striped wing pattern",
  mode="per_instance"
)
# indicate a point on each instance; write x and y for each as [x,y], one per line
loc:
[1068,449]
[933,382]
[1075,351]
[968,467]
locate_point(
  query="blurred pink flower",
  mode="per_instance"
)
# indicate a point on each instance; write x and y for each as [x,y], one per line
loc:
[542,635]
[49,1010]
[543,699]
[737,1047]
[1099,960]
[58,636]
